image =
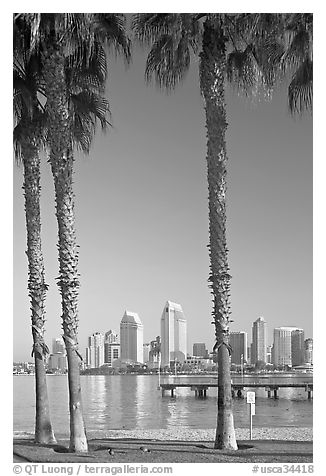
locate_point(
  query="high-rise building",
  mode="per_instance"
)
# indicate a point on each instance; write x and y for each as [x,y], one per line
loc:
[155,351]
[249,354]
[308,352]
[146,350]
[259,341]
[173,334]
[238,342]
[111,337]
[111,353]
[131,338]
[111,347]
[95,350]
[57,361]
[199,350]
[58,346]
[297,347]
[282,347]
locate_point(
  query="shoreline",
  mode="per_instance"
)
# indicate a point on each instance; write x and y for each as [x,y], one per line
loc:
[191,434]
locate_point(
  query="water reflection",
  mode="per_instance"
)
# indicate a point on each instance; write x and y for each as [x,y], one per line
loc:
[130,401]
[178,409]
[95,408]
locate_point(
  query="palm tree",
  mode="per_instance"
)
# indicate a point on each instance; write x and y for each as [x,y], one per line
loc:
[71,46]
[233,46]
[28,141]
[298,60]
[88,105]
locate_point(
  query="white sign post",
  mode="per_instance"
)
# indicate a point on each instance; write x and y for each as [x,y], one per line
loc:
[251,397]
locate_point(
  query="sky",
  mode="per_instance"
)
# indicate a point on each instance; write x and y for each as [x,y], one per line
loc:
[142,215]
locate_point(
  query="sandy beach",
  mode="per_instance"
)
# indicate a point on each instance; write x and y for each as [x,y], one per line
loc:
[187,434]
[182,433]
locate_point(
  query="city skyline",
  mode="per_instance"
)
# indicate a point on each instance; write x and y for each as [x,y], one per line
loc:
[142,214]
[290,347]
[111,337]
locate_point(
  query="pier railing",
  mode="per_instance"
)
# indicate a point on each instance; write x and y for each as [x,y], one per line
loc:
[200,383]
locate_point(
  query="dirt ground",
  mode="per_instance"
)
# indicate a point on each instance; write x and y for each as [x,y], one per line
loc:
[128,450]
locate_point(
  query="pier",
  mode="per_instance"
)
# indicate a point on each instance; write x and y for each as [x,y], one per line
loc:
[200,385]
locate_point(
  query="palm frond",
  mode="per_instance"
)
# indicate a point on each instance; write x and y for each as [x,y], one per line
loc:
[110,29]
[87,108]
[168,61]
[300,88]
[242,70]
[148,27]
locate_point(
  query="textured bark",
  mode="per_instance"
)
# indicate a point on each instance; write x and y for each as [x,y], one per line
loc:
[61,160]
[212,78]
[36,285]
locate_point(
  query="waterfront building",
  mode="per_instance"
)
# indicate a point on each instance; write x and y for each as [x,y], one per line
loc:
[308,351]
[195,364]
[282,347]
[249,354]
[111,353]
[199,350]
[269,354]
[58,346]
[131,338]
[95,350]
[238,342]
[111,347]
[173,334]
[259,341]
[155,352]
[146,350]
[111,337]
[57,362]
[297,347]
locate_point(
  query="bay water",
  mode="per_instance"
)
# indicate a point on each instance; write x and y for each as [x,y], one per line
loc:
[134,402]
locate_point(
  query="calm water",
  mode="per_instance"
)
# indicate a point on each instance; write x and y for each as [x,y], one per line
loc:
[133,402]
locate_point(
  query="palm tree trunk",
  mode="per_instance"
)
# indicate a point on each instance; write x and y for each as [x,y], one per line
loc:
[212,77]
[69,284]
[37,288]
[61,160]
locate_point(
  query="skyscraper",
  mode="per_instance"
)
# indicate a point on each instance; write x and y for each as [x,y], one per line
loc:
[111,337]
[308,352]
[111,347]
[155,351]
[282,348]
[259,341]
[111,353]
[238,342]
[131,337]
[58,346]
[146,350]
[95,350]
[199,349]
[173,334]
[297,347]
[57,360]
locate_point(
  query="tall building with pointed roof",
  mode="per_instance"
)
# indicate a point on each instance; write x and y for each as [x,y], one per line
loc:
[173,334]
[131,338]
